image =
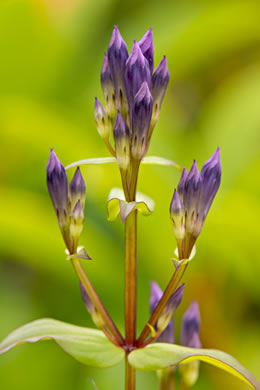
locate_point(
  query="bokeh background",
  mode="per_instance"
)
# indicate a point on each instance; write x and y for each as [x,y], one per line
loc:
[51,54]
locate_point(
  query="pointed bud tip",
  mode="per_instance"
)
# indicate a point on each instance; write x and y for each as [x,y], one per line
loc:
[143,94]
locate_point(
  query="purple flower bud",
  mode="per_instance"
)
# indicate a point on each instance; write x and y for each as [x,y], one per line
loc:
[191,327]
[108,88]
[191,195]
[170,308]
[137,72]
[97,319]
[167,336]
[77,189]
[103,122]
[160,82]
[76,224]
[117,56]
[178,216]
[141,118]
[210,176]
[122,141]
[181,183]
[146,45]
[58,188]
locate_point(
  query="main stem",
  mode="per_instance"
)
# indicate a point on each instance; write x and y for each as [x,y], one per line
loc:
[130,277]
[130,272]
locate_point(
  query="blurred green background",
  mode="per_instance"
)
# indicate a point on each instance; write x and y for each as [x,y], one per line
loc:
[51,55]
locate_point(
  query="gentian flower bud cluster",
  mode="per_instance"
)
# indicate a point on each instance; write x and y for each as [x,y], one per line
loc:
[68,201]
[192,200]
[133,96]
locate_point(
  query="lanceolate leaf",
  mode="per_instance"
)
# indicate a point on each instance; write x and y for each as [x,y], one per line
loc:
[116,204]
[161,355]
[89,346]
[155,160]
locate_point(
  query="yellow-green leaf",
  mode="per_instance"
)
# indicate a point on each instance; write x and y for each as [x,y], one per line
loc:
[162,355]
[116,204]
[88,346]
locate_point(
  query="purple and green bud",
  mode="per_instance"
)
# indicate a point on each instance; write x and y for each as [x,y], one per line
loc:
[108,88]
[190,338]
[76,223]
[104,124]
[167,336]
[181,183]
[141,118]
[57,183]
[191,196]
[122,142]
[177,214]
[146,45]
[136,73]
[77,190]
[91,308]
[160,81]
[170,308]
[117,57]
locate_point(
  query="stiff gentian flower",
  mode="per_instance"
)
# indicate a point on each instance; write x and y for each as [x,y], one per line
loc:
[91,308]
[130,86]
[191,327]
[68,201]
[108,88]
[57,183]
[196,192]
[122,141]
[190,338]
[117,57]
[165,322]
[160,81]
[141,118]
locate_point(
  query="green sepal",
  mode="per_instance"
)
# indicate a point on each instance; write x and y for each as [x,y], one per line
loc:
[161,355]
[88,346]
[116,204]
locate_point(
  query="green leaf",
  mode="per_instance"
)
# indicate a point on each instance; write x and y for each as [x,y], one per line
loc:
[108,160]
[161,161]
[162,355]
[116,204]
[88,346]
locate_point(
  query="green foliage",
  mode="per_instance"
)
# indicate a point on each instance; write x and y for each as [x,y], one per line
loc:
[88,346]
[161,355]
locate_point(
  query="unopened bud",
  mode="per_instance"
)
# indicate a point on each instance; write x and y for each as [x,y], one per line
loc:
[190,338]
[146,45]
[104,125]
[178,216]
[77,190]
[167,336]
[137,72]
[117,56]
[76,223]
[122,141]
[108,88]
[57,183]
[160,82]
[170,308]
[96,317]
[141,118]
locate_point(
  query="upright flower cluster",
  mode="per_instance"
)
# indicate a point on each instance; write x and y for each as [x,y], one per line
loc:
[68,201]
[133,95]
[192,200]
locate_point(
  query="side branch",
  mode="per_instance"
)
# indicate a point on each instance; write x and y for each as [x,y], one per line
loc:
[97,302]
[173,284]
